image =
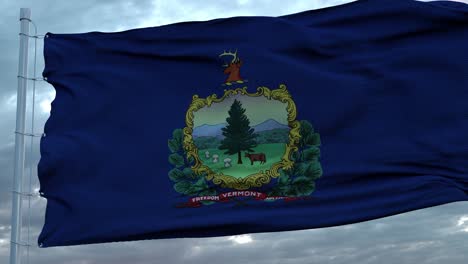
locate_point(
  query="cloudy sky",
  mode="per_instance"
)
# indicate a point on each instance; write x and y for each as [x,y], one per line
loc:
[434,235]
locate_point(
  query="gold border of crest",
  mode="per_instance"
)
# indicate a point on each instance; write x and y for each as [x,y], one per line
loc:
[262,177]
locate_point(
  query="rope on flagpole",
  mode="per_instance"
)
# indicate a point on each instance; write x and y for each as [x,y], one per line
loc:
[33,36]
[30,134]
[26,194]
[33,107]
[32,79]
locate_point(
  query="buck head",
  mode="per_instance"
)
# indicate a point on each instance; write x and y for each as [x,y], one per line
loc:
[235,63]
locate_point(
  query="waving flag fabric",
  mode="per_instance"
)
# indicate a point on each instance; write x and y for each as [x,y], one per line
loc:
[256,124]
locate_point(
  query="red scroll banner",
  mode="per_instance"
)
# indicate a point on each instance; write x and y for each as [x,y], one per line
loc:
[228,196]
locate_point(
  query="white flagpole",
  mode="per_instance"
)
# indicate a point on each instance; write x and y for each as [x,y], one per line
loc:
[16,213]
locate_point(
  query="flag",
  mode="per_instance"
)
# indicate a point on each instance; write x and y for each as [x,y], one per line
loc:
[255,124]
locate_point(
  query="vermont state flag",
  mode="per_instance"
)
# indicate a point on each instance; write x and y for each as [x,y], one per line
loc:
[256,124]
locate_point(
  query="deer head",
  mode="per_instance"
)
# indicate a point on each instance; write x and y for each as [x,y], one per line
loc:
[233,68]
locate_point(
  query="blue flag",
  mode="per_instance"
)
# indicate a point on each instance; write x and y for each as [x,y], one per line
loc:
[256,124]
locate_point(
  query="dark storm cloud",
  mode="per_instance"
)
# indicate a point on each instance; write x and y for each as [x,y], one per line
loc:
[432,235]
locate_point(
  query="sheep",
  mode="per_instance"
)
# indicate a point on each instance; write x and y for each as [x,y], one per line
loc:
[215,158]
[207,154]
[227,162]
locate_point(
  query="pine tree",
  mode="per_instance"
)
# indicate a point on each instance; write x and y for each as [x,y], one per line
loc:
[239,136]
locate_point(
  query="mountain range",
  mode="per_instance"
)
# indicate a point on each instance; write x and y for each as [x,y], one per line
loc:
[215,130]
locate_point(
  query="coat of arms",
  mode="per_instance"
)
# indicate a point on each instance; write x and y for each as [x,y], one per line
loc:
[244,145]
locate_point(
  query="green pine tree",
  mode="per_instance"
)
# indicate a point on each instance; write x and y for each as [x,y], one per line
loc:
[239,136]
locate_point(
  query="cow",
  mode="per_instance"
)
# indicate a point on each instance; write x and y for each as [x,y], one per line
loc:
[256,157]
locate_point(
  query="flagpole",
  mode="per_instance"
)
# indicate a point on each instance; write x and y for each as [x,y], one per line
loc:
[16,213]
